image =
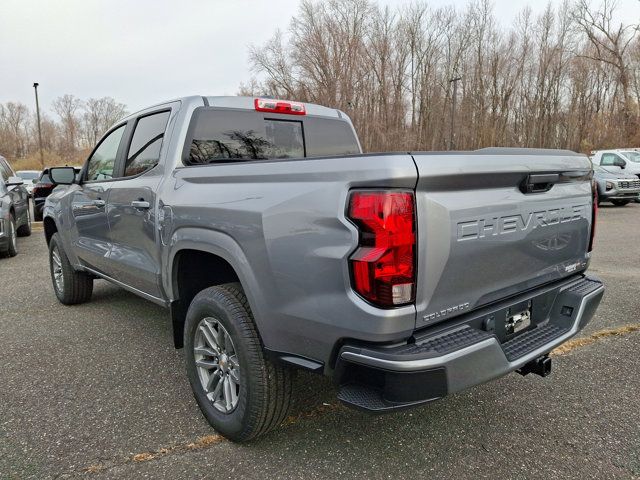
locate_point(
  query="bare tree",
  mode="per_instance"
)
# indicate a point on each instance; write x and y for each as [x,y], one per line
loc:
[99,115]
[67,108]
[14,118]
[610,43]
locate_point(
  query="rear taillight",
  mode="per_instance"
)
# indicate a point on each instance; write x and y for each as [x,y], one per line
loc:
[594,214]
[383,265]
[279,106]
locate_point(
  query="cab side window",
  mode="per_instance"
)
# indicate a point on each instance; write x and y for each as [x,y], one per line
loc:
[144,150]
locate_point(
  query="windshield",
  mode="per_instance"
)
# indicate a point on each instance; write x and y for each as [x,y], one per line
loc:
[45,178]
[27,175]
[633,156]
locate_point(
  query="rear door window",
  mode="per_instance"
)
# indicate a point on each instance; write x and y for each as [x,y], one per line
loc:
[144,150]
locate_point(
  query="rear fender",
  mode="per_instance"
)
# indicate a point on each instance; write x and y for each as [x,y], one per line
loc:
[216,243]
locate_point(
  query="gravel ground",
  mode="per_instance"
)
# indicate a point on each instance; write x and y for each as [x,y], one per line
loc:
[97,390]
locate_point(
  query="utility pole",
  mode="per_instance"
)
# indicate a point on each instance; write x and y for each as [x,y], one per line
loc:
[35,87]
[453,109]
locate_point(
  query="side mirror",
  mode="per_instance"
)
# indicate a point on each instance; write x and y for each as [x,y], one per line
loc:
[14,181]
[62,175]
[618,162]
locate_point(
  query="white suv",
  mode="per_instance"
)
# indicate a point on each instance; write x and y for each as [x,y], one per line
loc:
[618,160]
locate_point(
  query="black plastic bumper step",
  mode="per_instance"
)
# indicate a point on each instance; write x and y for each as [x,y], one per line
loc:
[368,398]
[448,342]
[585,286]
[528,342]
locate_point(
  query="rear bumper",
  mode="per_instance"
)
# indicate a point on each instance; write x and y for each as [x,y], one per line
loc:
[464,353]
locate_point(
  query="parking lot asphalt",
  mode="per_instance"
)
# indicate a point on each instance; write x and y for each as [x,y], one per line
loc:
[98,390]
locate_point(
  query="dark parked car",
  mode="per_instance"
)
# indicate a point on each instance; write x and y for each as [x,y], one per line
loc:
[14,210]
[41,191]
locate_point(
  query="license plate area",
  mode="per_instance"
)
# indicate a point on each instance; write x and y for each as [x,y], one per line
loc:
[517,319]
[511,321]
[517,322]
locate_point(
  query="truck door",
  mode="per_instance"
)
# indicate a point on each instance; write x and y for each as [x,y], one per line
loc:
[90,236]
[135,253]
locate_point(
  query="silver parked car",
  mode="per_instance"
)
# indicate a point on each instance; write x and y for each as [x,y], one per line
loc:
[14,210]
[29,177]
[616,187]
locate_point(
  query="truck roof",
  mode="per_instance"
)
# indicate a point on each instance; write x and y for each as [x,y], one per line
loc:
[244,103]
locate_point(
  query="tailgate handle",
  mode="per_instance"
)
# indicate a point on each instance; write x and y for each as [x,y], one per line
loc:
[539,182]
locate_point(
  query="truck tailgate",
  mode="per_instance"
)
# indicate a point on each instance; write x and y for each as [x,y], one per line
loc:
[496,222]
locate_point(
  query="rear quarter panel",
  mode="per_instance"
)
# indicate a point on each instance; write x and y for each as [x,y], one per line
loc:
[282,225]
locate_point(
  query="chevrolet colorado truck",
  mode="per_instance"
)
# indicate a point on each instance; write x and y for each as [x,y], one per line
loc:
[276,244]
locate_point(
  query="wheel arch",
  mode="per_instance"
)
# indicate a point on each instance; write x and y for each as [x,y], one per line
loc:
[198,259]
[49,228]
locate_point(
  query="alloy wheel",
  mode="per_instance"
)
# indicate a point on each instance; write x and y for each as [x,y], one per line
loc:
[217,365]
[56,265]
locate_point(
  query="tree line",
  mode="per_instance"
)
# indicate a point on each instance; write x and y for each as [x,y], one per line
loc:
[77,126]
[566,78]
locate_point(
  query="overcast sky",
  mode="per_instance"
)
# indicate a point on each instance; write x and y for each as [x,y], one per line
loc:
[145,51]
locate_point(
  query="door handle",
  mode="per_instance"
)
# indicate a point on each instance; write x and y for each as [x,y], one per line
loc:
[140,204]
[99,203]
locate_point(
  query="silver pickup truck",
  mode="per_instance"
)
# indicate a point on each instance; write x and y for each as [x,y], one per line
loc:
[276,244]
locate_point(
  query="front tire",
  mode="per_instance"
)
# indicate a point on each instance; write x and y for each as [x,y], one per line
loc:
[241,393]
[11,249]
[71,287]
[620,203]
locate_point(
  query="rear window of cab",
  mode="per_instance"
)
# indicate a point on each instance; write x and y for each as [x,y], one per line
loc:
[222,136]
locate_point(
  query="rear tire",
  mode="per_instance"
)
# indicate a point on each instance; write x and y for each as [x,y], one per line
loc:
[262,393]
[620,203]
[25,230]
[70,286]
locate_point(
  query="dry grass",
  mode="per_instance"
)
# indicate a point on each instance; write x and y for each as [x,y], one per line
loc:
[51,159]
[143,457]
[593,338]
[204,442]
